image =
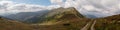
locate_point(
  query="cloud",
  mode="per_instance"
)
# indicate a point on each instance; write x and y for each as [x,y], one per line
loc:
[56,1]
[93,7]
[99,8]
[27,7]
[10,7]
[2,0]
[89,7]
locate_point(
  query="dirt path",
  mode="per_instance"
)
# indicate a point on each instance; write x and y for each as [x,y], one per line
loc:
[92,26]
[89,25]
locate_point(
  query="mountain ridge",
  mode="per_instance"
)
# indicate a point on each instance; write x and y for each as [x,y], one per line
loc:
[63,19]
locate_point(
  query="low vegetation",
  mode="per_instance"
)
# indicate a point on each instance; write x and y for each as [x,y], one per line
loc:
[63,20]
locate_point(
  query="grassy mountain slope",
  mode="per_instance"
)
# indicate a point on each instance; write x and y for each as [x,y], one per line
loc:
[72,22]
[60,13]
[63,19]
[13,25]
[68,19]
[30,17]
[108,23]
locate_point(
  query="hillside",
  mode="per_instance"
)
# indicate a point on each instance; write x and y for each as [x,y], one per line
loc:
[55,14]
[45,15]
[108,23]
[72,22]
[27,16]
[63,13]
[58,18]
[5,24]
[62,19]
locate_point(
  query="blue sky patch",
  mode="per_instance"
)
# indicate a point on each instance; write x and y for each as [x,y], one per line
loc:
[38,2]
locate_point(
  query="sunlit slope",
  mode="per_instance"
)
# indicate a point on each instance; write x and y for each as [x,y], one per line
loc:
[63,13]
[13,25]
[108,23]
[64,19]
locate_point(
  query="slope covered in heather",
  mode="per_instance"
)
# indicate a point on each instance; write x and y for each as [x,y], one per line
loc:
[6,24]
[108,23]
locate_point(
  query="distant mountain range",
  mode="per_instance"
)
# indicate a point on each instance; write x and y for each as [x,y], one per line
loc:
[58,19]
[24,16]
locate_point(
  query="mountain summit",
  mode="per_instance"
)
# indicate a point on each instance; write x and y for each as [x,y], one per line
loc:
[63,11]
[62,14]
[57,14]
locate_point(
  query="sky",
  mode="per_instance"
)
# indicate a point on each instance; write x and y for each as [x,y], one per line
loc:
[37,2]
[99,8]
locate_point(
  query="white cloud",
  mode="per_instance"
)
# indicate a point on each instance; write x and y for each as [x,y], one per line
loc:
[12,7]
[94,7]
[26,7]
[2,0]
[119,5]
[56,1]
[53,6]
[89,7]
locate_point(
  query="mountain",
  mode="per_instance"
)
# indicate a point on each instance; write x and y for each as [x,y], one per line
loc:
[72,22]
[23,16]
[62,11]
[63,19]
[57,14]
[60,19]
[60,16]
[50,15]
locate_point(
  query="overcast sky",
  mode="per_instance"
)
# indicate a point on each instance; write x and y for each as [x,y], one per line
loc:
[98,8]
